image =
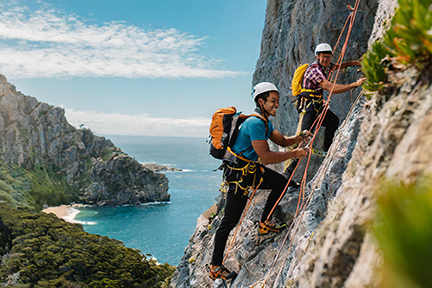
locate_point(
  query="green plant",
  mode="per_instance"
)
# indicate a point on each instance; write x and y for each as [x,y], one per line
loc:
[48,187]
[35,188]
[404,232]
[408,41]
[108,151]
[374,67]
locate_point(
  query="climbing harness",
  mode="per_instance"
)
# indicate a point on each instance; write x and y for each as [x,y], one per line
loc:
[318,152]
[243,169]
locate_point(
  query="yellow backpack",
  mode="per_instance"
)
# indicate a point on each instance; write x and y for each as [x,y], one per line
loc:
[297,81]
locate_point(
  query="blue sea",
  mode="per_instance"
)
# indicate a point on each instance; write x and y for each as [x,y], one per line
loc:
[162,229]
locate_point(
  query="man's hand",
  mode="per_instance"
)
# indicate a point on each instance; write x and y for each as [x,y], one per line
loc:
[360,81]
[357,63]
[306,136]
[347,64]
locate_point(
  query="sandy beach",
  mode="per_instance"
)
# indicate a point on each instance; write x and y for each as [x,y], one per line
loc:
[63,211]
[59,211]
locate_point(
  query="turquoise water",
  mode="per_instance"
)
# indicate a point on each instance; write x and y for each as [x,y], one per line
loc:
[162,230]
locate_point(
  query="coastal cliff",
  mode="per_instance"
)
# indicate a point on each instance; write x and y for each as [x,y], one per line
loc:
[37,138]
[385,135]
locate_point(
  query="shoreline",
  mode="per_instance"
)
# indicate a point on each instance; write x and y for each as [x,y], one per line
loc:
[65,212]
[68,212]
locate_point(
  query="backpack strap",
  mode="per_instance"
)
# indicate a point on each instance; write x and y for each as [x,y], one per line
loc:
[264,119]
[230,156]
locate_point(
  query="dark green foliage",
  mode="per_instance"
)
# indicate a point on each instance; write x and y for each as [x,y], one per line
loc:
[374,67]
[404,232]
[408,41]
[108,151]
[40,186]
[48,252]
[48,187]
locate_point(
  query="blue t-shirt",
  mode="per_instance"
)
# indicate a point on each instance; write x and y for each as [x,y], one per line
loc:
[250,130]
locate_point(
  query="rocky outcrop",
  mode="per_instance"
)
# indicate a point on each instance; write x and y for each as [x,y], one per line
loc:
[37,134]
[159,167]
[120,179]
[329,243]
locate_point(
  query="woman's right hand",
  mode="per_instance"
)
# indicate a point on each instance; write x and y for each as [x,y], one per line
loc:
[301,152]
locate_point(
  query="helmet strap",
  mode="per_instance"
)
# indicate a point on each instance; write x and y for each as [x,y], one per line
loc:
[263,112]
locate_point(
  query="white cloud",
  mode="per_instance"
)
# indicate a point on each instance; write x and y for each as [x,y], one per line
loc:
[51,43]
[139,125]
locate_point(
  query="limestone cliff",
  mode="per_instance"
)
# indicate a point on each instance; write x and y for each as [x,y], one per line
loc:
[329,243]
[36,134]
[292,30]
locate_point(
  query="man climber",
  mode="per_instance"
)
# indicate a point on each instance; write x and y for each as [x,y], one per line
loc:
[246,169]
[311,101]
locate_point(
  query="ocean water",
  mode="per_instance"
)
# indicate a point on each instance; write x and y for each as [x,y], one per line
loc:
[160,229]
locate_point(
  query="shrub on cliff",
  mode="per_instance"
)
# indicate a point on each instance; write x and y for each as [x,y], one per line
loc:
[48,252]
[407,42]
[34,188]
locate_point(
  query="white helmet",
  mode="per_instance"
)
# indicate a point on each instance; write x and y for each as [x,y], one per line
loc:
[262,88]
[323,47]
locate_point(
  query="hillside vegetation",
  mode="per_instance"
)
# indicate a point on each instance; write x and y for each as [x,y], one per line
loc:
[41,250]
[33,188]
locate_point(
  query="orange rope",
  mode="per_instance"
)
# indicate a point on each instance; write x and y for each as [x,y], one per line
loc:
[283,192]
[286,187]
[303,184]
[295,232]
[321,117]
[340,36]
[320,122]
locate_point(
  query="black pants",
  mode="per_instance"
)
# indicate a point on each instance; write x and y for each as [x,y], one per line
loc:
[330,122]
[235,204]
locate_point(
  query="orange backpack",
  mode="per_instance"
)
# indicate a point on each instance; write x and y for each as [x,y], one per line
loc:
[224,129]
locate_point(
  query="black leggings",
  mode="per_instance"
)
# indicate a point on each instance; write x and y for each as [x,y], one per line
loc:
[234,206]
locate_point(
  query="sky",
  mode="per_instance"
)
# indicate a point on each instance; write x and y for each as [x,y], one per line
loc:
[134,67]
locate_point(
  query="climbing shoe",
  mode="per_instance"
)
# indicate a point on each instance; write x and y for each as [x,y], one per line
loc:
[220,272]
[264,229]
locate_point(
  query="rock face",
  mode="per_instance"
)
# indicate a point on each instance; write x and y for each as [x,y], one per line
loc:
[329,243]
[291,32]
[36,134]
